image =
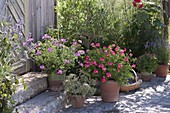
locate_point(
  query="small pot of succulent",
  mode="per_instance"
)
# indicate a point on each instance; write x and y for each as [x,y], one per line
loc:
[78,87]
[111,66]
[54,58]
[146,64]
[161,49]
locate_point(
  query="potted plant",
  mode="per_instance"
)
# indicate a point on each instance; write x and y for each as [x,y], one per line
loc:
[77,87]
[111,66]
[162,51]
[54,58]
[146,64]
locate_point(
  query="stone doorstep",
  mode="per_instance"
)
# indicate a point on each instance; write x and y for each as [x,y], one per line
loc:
[36,82]
[46,102]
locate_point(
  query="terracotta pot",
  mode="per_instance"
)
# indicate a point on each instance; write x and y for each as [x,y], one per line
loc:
[77,101]
[162,70]
[55,82]
[146,76]
[109,91]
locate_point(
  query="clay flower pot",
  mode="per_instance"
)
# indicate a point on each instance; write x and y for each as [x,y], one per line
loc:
[55,82]
[109,91]
[146,76]
[77,101]
[162,70]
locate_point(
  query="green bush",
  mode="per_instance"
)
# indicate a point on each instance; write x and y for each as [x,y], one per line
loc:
[88,20]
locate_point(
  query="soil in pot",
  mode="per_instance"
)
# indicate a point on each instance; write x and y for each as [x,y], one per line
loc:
[109,91]
[146,76]
[162,70]
[77,101]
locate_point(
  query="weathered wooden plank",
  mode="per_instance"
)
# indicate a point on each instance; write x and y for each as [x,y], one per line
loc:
[38,20]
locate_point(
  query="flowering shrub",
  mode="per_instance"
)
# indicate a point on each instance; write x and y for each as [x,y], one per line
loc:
[161,48]
[109,63]
[147,63]
[52,56]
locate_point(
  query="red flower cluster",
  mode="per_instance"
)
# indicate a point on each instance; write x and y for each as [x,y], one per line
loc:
[138,3]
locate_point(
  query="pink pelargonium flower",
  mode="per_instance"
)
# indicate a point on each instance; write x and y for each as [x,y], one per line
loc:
[130,54]
[87,58]
[102,59]
[97,44]
[103,69]
[104,47]
[118,70]
[110,63]
[117,48]
[107,54]
[93,45]
[86,65]
[94,63]
[125,49]
[108,74]
[96,71]
[133,65]
[104,79]
[119,65]
[101,65]
[113,45]
[121,52]
[126,59]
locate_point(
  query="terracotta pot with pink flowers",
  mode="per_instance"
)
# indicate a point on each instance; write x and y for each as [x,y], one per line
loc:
[111,66]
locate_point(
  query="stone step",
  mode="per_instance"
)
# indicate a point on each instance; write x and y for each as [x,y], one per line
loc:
[36,83]
[46,102]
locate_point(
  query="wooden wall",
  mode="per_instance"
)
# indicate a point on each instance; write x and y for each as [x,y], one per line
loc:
[36,14]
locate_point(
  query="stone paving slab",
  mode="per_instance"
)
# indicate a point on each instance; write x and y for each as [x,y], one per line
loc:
[46,102]
[36,83]
[151,97]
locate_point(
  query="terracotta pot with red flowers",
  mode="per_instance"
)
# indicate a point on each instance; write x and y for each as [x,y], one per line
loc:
[138,3]
[111,66]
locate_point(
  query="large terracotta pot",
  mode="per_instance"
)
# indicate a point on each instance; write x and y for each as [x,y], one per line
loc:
[77,101]
[162,70]
[55,82]
[146,76]
[109,91]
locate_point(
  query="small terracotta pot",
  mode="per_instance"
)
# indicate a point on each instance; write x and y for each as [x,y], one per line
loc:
[109,91]
[146,76]
[77,101]
[55,82]
[162,70]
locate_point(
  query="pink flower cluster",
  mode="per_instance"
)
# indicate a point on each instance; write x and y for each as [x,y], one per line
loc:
[138,3]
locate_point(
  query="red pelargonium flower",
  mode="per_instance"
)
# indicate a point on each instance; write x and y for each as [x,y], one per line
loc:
[97,44]
[102,59]
[104,79]
[108,74]
[119,66]
[137,1]
[134,4]
[140,6]
[96,71]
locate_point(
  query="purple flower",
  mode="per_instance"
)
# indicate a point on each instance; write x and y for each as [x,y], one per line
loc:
[38,52]
[37,45]
[42,67]
[60,72]
[63,40]
[67,61]
[81,64]
[50,49]
[46,36]
[30,39]
[24,43]
[81,52]
[77,54]
[74,43]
